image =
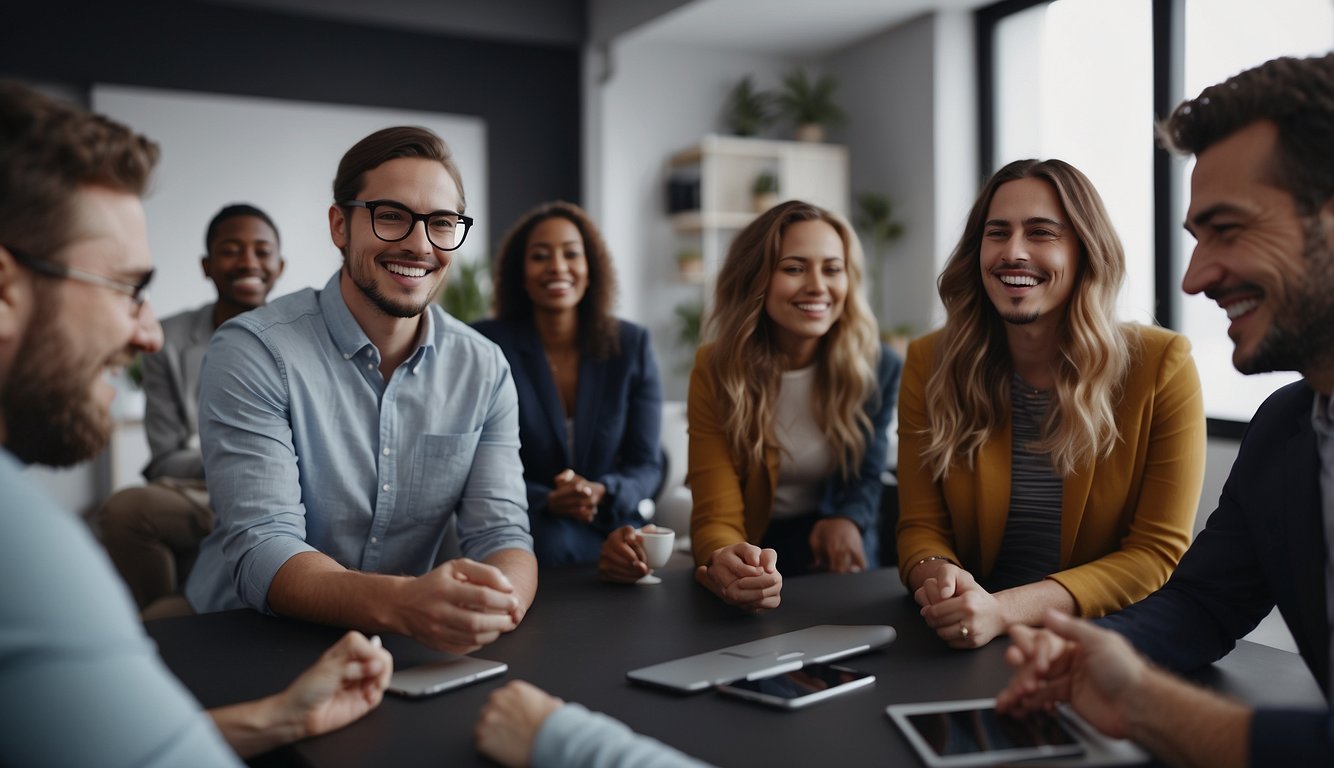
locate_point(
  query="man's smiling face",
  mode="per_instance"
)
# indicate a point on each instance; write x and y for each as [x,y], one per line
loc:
[399,279]
[1267,266]
[1030,254]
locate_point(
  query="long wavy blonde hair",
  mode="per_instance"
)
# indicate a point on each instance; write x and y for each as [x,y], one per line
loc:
[746,365]
[969,391]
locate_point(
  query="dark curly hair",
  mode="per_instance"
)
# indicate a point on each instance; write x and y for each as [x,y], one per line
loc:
[1295,94]
[598,332]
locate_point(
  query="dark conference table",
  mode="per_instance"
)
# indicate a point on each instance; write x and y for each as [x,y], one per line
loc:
[581,636]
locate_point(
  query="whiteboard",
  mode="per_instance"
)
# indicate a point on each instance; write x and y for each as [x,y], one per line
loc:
[278,155]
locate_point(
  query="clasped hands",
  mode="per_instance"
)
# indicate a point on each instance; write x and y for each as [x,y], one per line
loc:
[962,613]
[459,606]
[575,496]
[743,575]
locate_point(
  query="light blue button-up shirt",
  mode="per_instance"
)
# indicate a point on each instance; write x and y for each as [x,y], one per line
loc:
[307,447]
[83,684]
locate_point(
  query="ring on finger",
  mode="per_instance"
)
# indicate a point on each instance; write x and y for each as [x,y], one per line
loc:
[963,630]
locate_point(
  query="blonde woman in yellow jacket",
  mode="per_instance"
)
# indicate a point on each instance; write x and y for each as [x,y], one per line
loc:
[1049,456]
[788,410]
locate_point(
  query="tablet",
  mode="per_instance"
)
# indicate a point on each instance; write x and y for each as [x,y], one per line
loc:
[444,675]
[951,734]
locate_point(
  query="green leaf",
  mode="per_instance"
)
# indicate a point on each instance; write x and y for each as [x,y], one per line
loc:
[466,291]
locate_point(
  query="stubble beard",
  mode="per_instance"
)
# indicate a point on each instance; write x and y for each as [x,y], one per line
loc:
[1301,336]
[1019,317]
[394,308]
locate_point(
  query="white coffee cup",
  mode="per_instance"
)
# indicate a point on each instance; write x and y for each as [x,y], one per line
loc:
[658,543]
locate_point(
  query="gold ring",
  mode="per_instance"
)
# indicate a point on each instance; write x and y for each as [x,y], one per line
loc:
[963,629]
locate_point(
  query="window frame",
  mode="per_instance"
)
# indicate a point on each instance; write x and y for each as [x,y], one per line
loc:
[1168,35]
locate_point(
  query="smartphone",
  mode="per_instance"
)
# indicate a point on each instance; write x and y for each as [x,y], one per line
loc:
[955,734]
[800,687]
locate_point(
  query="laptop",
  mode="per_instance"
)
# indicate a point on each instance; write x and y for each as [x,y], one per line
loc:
[764,658]
[442,675]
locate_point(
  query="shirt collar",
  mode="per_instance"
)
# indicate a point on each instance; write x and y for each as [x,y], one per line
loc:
[347,334]
[1322,414]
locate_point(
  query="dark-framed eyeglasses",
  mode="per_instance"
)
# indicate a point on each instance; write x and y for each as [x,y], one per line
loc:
[391,221]
[138,292]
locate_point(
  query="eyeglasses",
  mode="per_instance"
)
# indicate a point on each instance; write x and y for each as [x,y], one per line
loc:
[392,222]
[138,292]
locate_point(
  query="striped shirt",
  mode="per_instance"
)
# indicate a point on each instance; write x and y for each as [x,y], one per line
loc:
[1031,549]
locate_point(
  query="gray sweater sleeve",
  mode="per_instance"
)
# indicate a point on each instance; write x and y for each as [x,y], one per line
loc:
[573,737]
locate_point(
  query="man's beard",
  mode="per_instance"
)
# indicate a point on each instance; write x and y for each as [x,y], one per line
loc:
[1302,333]
[50,414]
[387,305]
[1014,317]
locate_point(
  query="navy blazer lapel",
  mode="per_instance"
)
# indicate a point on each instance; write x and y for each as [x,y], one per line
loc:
[544,386]
[587,402]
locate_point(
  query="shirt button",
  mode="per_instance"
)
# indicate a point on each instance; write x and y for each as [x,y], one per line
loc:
[386,451]
[386,486]
[369,366]
[374,540]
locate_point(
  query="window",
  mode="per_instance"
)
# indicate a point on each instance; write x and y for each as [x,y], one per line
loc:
[1079,80]
[1074,81]
[1222,38]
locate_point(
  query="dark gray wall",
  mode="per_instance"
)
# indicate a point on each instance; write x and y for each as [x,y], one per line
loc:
[528,94]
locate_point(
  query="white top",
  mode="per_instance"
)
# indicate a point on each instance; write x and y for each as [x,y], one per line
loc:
[804,459]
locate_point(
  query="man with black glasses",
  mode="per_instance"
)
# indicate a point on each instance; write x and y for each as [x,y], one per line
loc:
[343,428]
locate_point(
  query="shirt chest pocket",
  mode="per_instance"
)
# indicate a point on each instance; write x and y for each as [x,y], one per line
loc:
[440,467]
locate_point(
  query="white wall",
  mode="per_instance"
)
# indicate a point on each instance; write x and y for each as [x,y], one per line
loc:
[887,88]
[911,134]
[278,155]
[655,100]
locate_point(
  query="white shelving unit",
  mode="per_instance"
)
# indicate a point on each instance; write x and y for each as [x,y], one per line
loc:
[725,168]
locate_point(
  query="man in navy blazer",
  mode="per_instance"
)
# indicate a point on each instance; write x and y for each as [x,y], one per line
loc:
[1262,213]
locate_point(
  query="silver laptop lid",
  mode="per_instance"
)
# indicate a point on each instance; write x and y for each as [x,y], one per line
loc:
[765,657]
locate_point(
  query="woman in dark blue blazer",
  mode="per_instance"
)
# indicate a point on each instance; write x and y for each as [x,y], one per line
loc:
[590,400]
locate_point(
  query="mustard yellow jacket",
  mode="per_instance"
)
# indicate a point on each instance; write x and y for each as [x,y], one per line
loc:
[731,505]
[1125,521]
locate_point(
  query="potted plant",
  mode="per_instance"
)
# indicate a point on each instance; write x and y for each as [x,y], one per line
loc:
[809,103]
[689,324]
[690,264]
[874,217]
[749,111]
[764,191]
[466,289]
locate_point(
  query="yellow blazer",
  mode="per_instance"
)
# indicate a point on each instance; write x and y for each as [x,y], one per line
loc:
[1125,521]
